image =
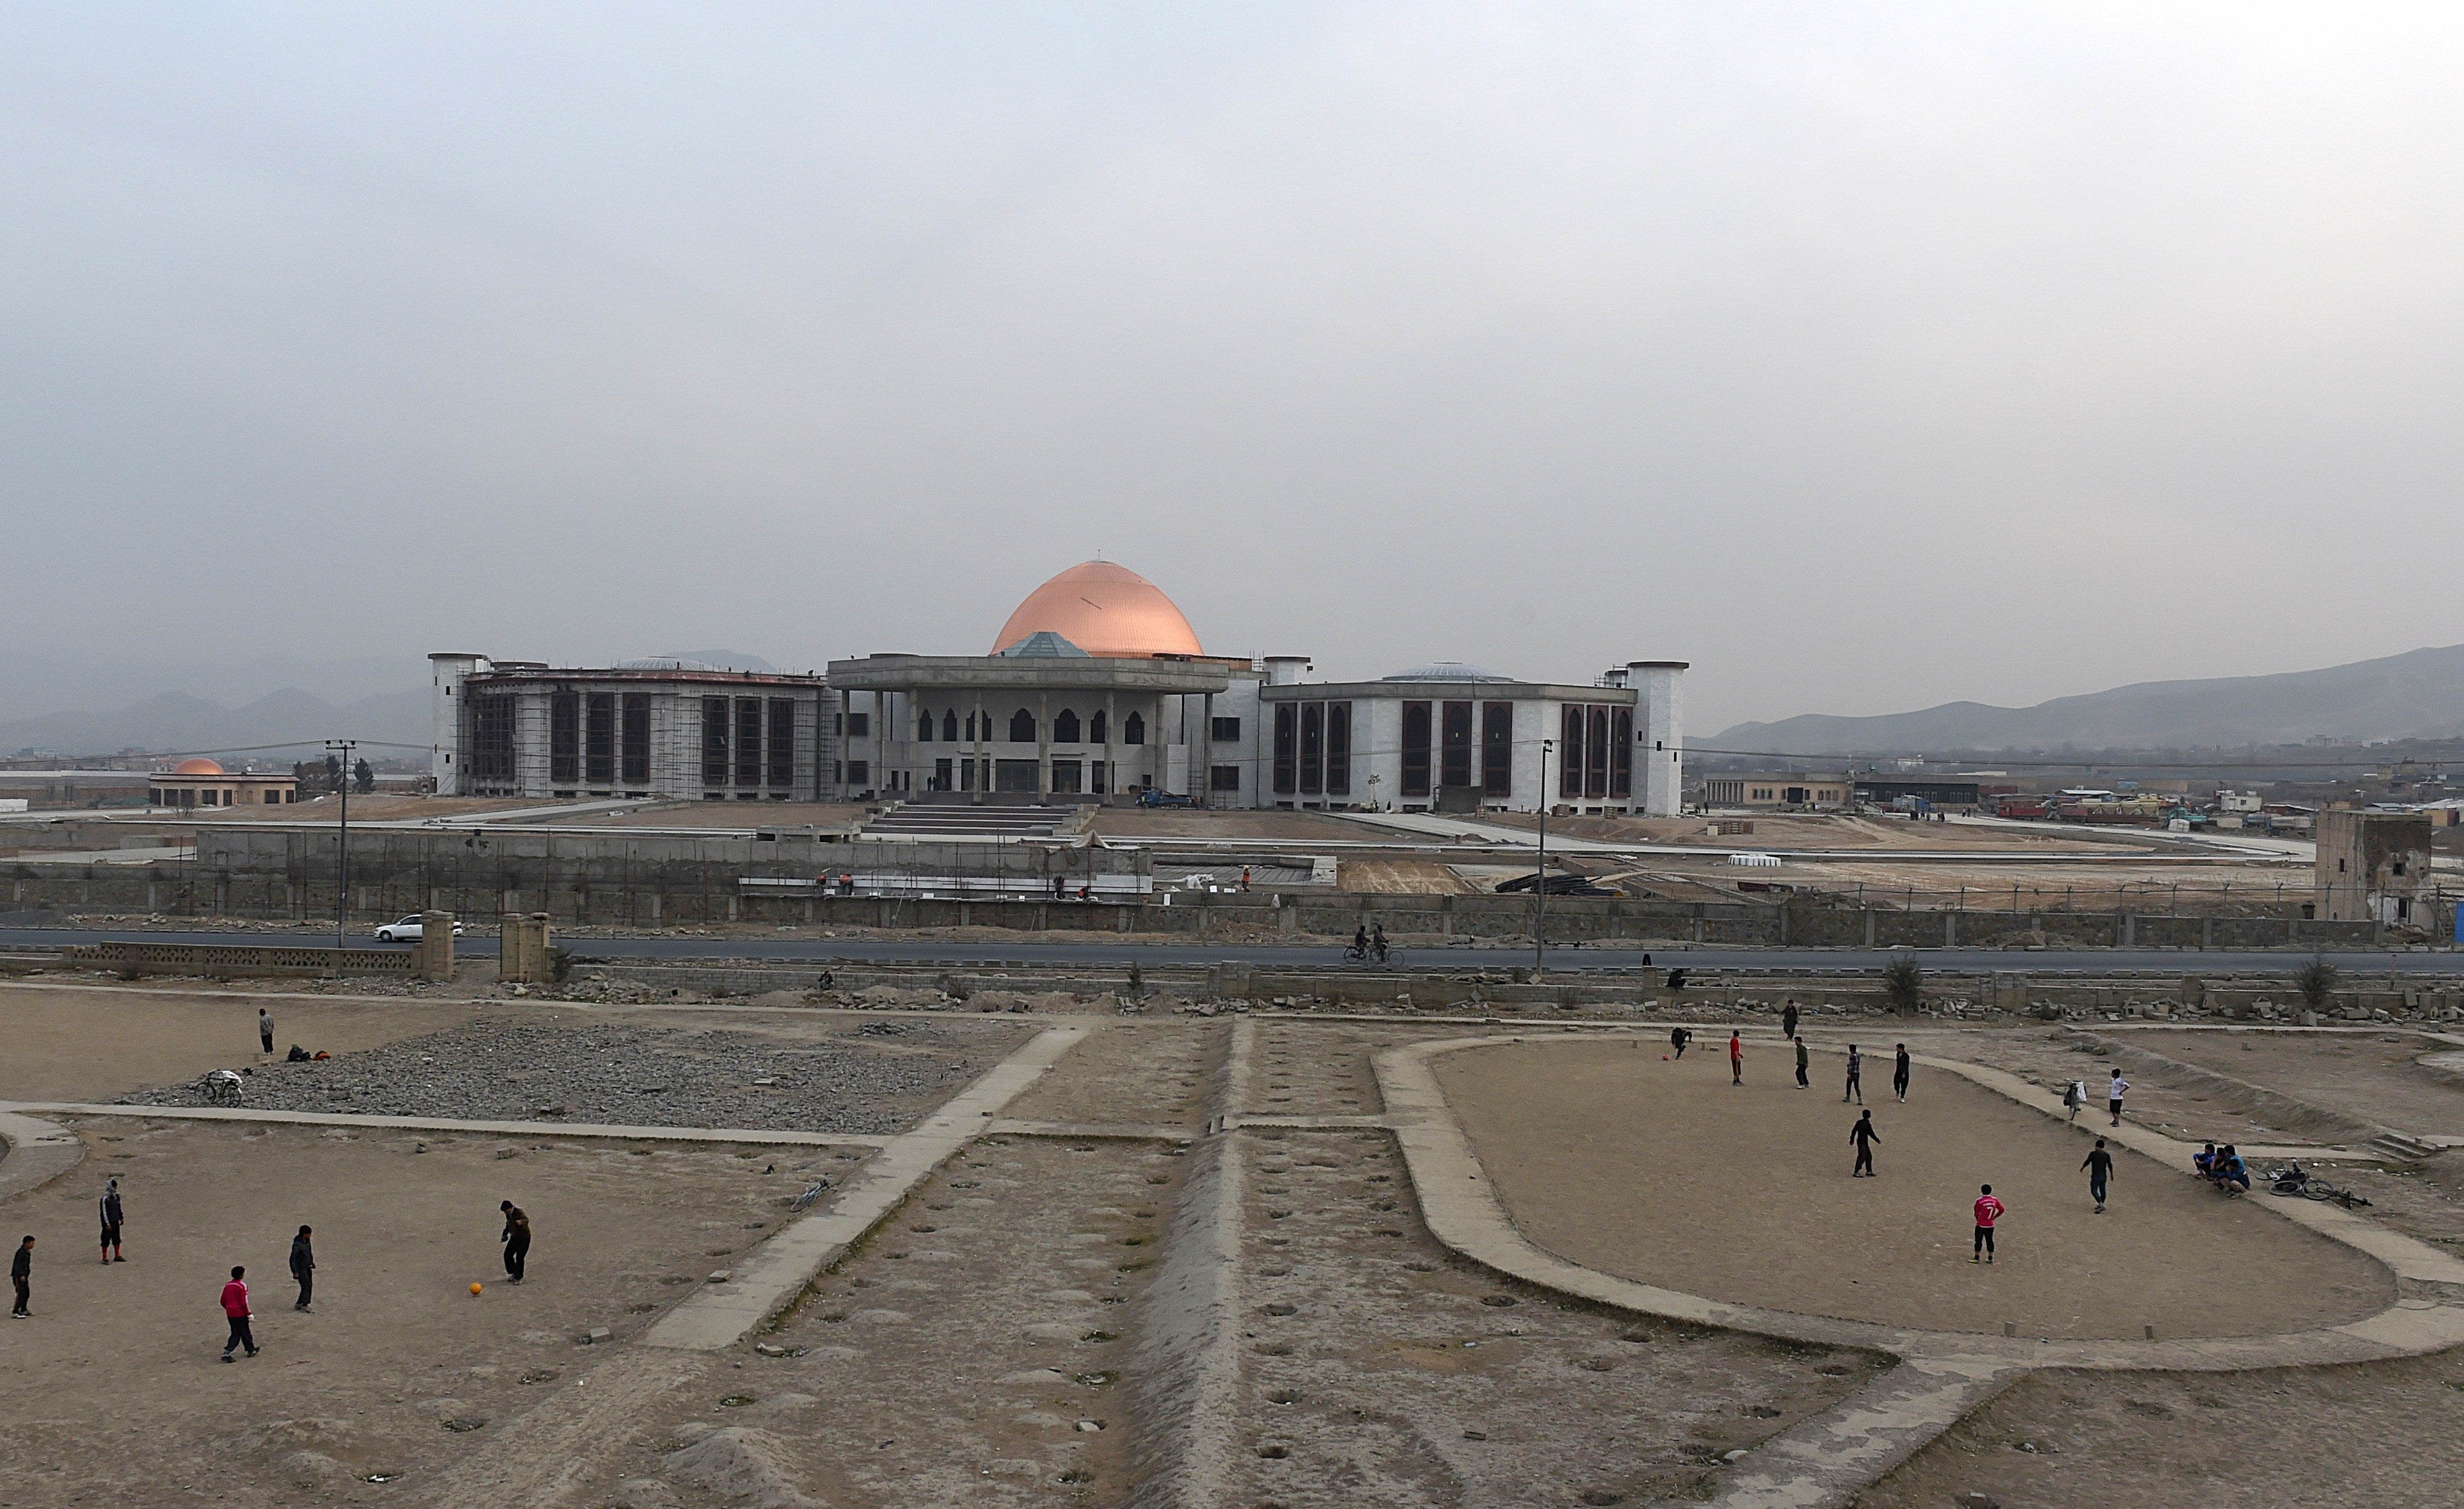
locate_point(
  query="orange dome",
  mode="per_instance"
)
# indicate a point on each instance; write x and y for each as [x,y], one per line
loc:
[1106,610]
[198,767]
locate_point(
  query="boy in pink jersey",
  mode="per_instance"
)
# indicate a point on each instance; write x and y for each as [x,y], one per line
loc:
[1988,1210]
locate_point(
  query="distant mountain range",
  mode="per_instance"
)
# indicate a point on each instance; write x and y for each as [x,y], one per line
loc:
[2418,694]
[176,721]
[297,721]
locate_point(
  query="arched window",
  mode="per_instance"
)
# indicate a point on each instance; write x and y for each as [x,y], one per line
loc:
[1021,727]
[971,727]
[924,726]
[949,728]
[1065,726]
[1134,730]
[1095,728]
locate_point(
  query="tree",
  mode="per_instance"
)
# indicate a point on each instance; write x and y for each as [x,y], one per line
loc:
[311,777]
[333,773]
[1903,983]
[2315,980]
[363,779]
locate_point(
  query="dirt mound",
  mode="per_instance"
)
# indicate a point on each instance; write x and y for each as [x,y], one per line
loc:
[740,1465]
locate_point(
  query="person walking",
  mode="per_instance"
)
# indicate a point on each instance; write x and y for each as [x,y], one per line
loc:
[516,1238]
[1856,1077]
[1988,1210]
[21,1277]
[1802,1082]
[2113,1094]
[1736,1058]
[235,1310]
[265,1028]
[109,1209]
[1788,1020]
[2074,1097]
[1864,1136]
[1899,1073]
[2099,1170]
[303,1268]
[1678,1038]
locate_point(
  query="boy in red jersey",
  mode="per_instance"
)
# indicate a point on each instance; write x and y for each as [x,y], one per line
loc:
[1988,1210]
[236,1311]
[1736,1060]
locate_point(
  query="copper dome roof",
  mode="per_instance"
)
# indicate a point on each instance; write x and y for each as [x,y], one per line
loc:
[199,767]
[1106,610]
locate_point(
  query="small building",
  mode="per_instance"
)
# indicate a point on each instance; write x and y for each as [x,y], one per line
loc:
[1956,796]
[2374,867]
[1777,789]
[203,783]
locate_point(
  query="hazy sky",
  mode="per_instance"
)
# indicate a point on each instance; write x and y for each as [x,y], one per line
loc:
[1867,357]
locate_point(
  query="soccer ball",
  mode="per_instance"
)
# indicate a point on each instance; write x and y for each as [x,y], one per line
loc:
[474,1291]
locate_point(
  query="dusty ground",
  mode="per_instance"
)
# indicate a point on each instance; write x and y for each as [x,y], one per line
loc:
[951,1359]
[1610,1156]
[1132,1073]
[1377,1370]
[2371,1075]
[77,1045]
[1138,822]
[2363,1437]
[112,1394]
[992,1343]
[2170,1100]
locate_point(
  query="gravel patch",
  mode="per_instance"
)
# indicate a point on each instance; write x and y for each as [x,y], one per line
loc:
[636,1076]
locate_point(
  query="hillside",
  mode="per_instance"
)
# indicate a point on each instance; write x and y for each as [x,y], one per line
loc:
[174,720]
[2418,694]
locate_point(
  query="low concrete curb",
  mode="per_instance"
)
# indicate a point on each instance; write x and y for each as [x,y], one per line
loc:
[782,1268]
[440,1124]
[38,1152]
[1823,1462]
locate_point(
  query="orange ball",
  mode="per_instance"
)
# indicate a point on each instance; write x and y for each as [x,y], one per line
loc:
[474,1288]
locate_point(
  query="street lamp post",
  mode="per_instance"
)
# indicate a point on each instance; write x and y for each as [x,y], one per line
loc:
[342,851]
[1540,879]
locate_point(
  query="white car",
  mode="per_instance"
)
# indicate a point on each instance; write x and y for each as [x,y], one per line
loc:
[410,929]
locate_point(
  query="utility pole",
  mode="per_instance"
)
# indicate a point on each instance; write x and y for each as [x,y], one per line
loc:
[1540,879]
[343,852]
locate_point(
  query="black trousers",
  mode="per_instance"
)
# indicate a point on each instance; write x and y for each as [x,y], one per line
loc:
[240,1336]
[2096,1188]
[1985,1239]
[515,1254]
[1864,1158]
[307,1283]
[1856,1087]
[1801,1080]
[1899,1086]
[110,1237]
[24,1291]
[267,1038]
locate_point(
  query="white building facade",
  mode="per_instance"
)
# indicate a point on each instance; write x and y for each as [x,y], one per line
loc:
[1096,690]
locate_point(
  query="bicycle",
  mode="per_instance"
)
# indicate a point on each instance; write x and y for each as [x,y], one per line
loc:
[2291,1181]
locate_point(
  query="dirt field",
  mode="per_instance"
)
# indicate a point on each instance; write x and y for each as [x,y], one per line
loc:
[2368,1075]
[112,1394]
[1140,1074]
[1666,1173]
[1138,822]
[75,1045]
[2364,1437]
[1405,877]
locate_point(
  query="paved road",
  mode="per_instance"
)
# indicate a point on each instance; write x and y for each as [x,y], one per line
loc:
[932,951]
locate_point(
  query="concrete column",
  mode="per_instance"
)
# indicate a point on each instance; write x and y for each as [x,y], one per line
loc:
[880,755]
[1043,746]
[1202,757]
[435,956]
[984,737]
[1112,735]
[1160,742]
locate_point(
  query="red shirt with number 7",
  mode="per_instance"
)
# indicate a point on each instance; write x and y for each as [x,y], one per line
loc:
[1988,1210]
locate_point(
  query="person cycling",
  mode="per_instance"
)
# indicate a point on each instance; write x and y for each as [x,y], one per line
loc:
[1359,949]
[1377,943]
